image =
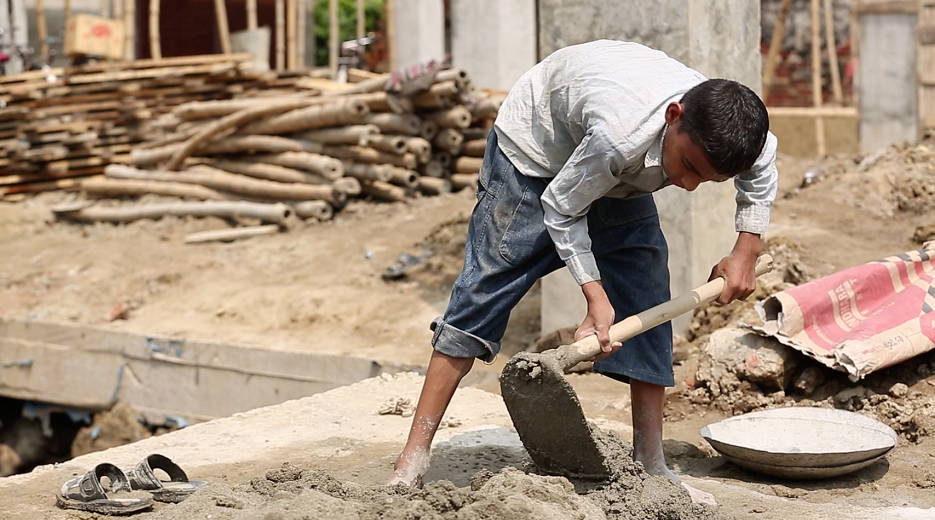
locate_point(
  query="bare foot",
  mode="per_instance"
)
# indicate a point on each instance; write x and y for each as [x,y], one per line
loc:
[699,496]
[409,468]
[656,466]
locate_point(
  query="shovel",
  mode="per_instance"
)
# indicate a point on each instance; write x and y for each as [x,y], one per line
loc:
[545,409]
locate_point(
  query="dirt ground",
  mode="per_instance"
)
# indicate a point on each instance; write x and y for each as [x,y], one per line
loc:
[318,287]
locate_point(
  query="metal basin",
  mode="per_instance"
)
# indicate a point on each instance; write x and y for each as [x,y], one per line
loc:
[801,442]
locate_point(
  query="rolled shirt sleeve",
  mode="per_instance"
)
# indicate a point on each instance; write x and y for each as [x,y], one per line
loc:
[585,177]
[756,191]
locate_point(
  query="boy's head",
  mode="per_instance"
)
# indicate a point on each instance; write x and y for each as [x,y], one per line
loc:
[716,131]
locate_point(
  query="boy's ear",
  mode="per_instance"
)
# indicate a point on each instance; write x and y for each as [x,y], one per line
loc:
[674,112]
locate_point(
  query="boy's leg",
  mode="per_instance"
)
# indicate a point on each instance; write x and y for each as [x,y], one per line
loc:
[647,401]
[441,381]
[632,255]
[507,249]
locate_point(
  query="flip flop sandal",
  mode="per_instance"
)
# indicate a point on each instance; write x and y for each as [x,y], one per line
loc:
[87,494]
[176,489]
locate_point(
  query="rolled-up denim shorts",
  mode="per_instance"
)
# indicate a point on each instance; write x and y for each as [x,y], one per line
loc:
[509,248]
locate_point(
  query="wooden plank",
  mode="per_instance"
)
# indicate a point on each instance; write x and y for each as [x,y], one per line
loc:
[886,7]
[823,111]
[161,73]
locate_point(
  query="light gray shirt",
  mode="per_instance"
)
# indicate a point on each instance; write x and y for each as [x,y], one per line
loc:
[591,118]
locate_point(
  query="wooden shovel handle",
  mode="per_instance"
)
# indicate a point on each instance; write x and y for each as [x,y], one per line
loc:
[571,355]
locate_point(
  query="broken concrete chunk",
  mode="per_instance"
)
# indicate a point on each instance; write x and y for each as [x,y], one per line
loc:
[899,390]
[809,380]
[752,358]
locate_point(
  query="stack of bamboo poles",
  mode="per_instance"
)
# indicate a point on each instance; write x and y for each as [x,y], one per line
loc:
[60,124]
[305,153]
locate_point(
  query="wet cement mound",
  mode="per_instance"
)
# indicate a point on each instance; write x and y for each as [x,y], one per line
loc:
[293,493]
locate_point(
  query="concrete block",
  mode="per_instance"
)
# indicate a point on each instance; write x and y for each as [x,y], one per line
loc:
[887,78]
[420,31]
[751,357]
[494,40]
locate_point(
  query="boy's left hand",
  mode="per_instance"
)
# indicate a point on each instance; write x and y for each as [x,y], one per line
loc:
[738,269]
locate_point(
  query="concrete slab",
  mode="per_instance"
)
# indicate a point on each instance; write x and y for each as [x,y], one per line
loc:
[340,431]
[92,368]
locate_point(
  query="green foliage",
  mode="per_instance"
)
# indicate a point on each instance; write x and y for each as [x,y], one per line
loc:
[347,23]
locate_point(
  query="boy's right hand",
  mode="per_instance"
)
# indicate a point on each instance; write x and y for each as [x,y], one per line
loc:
[599,319]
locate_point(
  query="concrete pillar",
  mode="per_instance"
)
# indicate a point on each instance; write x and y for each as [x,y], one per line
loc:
[420,31]
[889,110]
[494,40]
[719,38]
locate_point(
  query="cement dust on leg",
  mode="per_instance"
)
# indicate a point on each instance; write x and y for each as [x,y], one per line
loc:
[410,466]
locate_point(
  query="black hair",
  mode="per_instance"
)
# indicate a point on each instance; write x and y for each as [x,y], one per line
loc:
[728,121]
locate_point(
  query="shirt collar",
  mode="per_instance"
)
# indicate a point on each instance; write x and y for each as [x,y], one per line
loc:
[654,153]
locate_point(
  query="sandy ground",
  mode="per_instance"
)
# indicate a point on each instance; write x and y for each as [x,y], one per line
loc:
[318,288]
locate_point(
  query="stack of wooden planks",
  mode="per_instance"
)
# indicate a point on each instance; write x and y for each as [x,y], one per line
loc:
[303,151]
[60,124]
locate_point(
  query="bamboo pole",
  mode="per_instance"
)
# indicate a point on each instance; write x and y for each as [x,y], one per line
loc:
[251,15]
[252,144]
[278,213]
[129,29]
[326,167]
[104,9]
[460,181]
[408,124]
[358,135]
[280,35]
[155,45]
[116,11]
[300,33]
[391,33]
[338,113]
[67,10]
[228,182]
[384,190]
[467,164]
[334,38]
[775,44]
[42,30]
[227,235]
[349,185]
[816,76]
[291,43]
[230,121]
[270,172]
[317,209]
[368,172]
[434,186]
[112,187]
[220,11]
[361,21]
[832,47]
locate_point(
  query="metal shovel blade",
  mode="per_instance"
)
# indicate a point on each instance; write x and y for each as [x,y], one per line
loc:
[548,417]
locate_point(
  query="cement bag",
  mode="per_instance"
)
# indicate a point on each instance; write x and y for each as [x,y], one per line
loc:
[860,319]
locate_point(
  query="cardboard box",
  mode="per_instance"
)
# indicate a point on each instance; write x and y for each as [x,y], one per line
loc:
[86,34]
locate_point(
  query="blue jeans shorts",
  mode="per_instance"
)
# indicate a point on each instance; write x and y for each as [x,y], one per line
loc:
[509,248]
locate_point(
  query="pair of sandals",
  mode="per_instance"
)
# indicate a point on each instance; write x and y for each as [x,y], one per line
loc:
[86,493]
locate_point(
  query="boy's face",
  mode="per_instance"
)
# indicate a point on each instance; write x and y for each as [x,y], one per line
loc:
[685,163]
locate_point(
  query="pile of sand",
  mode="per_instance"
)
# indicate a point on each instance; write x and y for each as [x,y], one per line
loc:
[292,493]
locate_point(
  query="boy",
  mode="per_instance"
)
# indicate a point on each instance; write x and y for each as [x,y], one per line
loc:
[579,145]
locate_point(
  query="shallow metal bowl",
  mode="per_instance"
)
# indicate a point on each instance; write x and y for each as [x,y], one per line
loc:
[801,442]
